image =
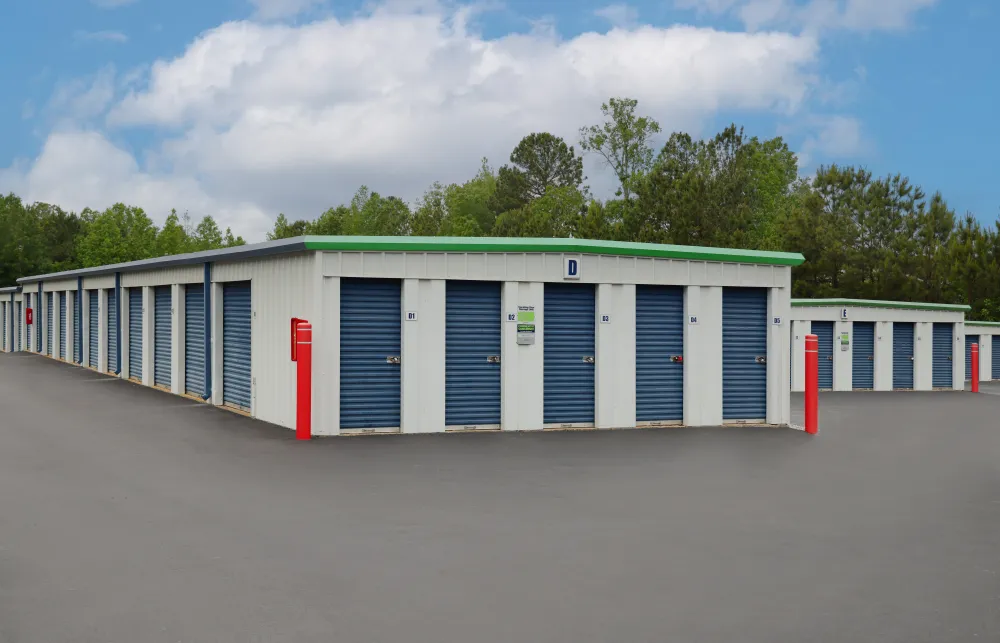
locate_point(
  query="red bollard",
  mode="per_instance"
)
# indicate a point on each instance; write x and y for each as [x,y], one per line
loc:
[975,368]
[303,361]
[812,384]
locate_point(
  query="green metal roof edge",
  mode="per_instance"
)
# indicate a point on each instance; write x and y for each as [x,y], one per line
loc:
[582,246]
[981,323]
[876,303]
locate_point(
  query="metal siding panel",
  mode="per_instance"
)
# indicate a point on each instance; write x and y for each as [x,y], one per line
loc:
[942,372]
[94,320]
[162,339]
[19,315]
[995,357]
[570,317]
[135,333]
[237,389]
[77,317]
[969,341]
[194,340]
[863,355]
[902,355]
[63,330]
[112,333]
[659,335]
[472,334]
[370,331]
[823,330]
[744,340]
[48,323]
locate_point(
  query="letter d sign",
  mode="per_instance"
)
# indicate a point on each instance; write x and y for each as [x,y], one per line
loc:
[572,270]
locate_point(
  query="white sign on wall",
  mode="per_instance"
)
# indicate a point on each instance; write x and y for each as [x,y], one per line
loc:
[411,315]
[605,319]
[571,268]
[693,319]
[843,313]
[777,321]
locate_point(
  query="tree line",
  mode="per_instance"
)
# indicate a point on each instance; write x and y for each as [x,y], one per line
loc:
[863,236]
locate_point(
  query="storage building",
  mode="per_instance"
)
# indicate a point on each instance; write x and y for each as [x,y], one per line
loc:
[8,323]
[987,335]
[881,345]
[431,334]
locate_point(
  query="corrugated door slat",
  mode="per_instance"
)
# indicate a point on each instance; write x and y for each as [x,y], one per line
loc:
[995,357]
[942,370]
[902,355]
[472,336]
[135,333]
[48,324]
[94,322]
[744,340]
[659,336]
[112,334]
[236,349]
[969,341]
[370,329]
[77,337]
[823,330]
[863,355]
[161,336]
[63,328]
[194,340]
[569,319]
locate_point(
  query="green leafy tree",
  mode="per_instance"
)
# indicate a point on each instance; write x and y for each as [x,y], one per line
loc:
[207,235]
[623,141]
[285,230]
[119,234]
[172,239]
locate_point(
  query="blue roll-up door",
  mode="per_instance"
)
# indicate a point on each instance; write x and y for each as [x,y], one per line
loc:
[48,324]
[995,357]
[863,355]
[63,328]
[77,337]
[902,355]
[112,333]
[236,345]
[969,341]
[569,317]
[194,340]
[19,329]
[659,347]
[370,318]
[744,353]
[161,336]
[823,330]
[942,371]
[135,333]
[94,322]
[472,354]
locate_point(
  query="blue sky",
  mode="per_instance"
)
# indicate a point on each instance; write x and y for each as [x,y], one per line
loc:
[244,108]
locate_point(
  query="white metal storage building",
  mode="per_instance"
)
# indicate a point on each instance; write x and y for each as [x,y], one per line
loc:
[430,334]
[987,335]
[881,345]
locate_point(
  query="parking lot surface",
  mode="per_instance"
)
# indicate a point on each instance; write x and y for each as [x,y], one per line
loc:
[130,515]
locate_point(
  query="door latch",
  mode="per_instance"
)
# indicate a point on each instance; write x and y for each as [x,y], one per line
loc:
[760,359]
[393,359]
[871,358]
[677,359]
[588,359]
[492,359]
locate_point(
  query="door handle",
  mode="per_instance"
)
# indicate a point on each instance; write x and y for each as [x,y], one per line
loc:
[492,359]
[829,358]
[760,359]
[871,358]
[677,359]
[393,359]
[589,359]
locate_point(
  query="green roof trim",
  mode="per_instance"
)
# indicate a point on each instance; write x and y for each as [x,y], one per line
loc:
[578,246]
[877,303]
[981,323]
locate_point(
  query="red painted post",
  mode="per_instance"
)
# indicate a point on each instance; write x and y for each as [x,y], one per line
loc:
[303,407]
[975,368]
[812,384]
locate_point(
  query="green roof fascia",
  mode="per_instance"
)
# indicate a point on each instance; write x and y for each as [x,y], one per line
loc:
[876,303]
[581,246]
[981,323]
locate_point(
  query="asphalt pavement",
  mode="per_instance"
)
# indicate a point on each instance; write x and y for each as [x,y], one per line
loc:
[129,515]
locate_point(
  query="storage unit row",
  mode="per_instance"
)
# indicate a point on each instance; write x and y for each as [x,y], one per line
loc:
[884,345]
[444,334]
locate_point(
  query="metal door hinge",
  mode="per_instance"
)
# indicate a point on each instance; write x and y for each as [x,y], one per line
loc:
[492,359]
[589,359]
[760,359]
[393,359]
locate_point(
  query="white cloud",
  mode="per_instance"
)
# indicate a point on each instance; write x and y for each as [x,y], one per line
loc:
[834,137]
[619,15]
[856,15]
[111,4]
[267,118]
[274,9]
[100,36]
